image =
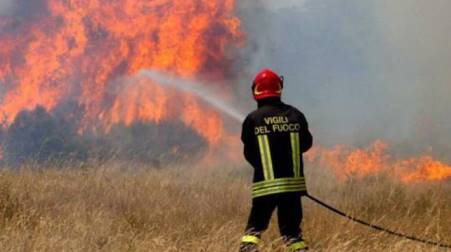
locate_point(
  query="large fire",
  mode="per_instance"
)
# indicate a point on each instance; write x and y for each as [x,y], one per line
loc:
[81,50]
[77,49]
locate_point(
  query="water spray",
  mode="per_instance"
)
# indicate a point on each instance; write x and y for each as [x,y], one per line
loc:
[196,88]
[201,91]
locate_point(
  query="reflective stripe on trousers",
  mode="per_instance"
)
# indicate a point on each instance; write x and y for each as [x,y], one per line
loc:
[297,246]
[250,239]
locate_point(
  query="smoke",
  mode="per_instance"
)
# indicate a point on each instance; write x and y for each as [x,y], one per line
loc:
[53,52]
[5,6]
[270,4]
[360,70]
[417,36]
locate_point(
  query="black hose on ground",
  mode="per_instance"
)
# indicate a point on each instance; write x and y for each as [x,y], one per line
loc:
[376,227]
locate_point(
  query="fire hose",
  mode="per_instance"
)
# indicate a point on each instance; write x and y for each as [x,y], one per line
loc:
[376,227]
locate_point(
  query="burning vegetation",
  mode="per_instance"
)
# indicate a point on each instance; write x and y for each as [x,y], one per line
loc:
[357,163]
[76,53]
[63,93]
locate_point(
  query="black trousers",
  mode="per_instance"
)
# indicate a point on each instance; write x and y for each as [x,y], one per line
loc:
[289,214]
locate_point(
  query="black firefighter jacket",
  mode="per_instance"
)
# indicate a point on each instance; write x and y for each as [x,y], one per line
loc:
[275,136]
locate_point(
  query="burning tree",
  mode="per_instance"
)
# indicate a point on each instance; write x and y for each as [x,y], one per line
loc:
[79,50]
[54,53]
[57,51]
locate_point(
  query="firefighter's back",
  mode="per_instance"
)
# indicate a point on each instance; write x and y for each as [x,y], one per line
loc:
[279,137]
[274,137]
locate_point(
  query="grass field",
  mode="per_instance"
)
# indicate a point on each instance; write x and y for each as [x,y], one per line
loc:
[116,207]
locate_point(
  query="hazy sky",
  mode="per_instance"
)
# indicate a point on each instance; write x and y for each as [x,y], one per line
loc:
[280,4]
[360,70]
[5,5]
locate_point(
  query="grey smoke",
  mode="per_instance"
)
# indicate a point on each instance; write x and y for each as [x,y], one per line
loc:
[5,6]
[360,70]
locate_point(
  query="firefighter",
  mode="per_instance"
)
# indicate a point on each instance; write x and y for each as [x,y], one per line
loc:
[274,137]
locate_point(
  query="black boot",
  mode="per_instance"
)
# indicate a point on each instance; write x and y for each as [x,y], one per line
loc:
[248,247]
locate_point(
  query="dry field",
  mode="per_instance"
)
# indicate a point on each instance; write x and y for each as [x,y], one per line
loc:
[117,207]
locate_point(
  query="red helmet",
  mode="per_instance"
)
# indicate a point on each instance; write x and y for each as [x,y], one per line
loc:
[267,84]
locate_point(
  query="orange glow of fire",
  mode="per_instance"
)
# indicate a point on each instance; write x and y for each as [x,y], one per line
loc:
[80,50]
[346,162]
[423,169]
[80,47]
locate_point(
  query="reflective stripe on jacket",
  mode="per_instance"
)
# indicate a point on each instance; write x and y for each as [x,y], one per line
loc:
[274,137]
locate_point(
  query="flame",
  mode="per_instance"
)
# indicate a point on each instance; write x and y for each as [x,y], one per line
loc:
[82,50]
[348,162]
[423,169]
[79,48]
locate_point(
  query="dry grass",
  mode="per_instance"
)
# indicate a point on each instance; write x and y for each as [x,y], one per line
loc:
[113,208]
